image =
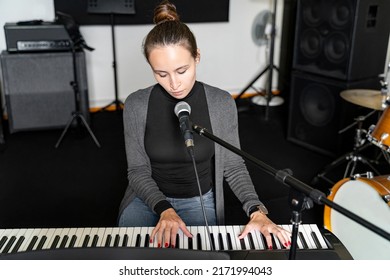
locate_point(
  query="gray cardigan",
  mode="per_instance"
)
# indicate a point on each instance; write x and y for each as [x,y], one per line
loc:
[224,122]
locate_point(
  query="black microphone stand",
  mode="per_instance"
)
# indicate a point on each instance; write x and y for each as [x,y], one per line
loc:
[76,115]
[306,193]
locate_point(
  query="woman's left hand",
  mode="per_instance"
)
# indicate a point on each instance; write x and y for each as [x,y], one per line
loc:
[259,221]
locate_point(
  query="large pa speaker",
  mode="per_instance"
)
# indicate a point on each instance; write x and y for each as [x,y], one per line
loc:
[317,113]
[343,39]
[39,91]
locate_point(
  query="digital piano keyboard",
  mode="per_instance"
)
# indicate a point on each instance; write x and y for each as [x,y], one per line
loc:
[133,243]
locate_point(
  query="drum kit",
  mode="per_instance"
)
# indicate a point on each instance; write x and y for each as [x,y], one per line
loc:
[365,195]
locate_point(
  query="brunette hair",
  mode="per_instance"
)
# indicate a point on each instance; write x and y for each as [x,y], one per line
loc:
[169,30]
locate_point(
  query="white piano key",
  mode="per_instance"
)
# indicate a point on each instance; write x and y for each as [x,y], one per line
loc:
[107,238]
[122,231]
[136,232]
[29,234]
[224,243]
[92,232]
[204,238]
[51,235]
[307,237]
[183,240]
[215,232]
[101,234]
[144,232]
[277,242]
[258,240]
[194,232]
[319,235]
[245,240]
[12,236]
[41,238]
[230,232]
[129,232]
[299,242]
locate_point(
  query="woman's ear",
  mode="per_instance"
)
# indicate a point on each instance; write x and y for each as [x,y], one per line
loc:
[197,59]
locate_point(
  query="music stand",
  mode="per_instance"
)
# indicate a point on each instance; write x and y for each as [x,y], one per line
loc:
[269,68]
[76,43]
[112,7]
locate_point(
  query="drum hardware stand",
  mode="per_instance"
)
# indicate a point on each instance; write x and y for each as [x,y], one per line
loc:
[353,157]
[285,177]
[271,66]
[76,115]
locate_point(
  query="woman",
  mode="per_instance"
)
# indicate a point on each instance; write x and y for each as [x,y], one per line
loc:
[163,190]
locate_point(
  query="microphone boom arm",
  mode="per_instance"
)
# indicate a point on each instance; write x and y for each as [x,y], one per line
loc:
[285,177]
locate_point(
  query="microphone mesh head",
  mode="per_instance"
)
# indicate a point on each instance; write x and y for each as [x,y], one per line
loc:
[182,107]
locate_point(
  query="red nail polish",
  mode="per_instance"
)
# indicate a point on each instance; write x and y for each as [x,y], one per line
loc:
[150,240]
[270,247]
[166,245]
[285,244]
[172,246]
[289,243]
[158,245]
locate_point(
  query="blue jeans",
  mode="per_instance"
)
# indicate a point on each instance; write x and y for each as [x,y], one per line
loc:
[138,214]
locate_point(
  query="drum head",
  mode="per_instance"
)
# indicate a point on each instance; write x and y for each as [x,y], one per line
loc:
[364,200]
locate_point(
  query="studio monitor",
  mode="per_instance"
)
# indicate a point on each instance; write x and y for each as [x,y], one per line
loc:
[317,112]
[342,39]
[38,89]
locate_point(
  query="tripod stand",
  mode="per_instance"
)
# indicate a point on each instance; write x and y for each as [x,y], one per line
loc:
[353,157]
[269,68]
[76,115]
[118,104]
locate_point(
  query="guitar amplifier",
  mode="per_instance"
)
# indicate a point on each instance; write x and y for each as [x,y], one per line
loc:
[36,36]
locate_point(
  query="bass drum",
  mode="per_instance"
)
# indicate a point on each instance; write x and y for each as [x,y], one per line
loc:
[370,200]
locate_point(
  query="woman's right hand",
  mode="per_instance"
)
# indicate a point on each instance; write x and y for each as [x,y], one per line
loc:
[167,229]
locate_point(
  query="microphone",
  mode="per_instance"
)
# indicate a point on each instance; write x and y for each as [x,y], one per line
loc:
[183,111]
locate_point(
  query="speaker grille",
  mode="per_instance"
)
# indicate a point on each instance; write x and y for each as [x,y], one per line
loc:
[38,89]
[335,38]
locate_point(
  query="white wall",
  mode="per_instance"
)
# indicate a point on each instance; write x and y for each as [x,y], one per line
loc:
[229,57]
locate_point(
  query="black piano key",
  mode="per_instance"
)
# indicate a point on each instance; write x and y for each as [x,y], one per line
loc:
[138,241]
[315,238]
[117,240]
[32,243]
[190,244]
[212,241]
[18,244]
[55,242]
[177,241]
[72,241]
[146,241]
[2,241]
[302,238]
[108,241]
[95,240]
[242,244]
[42,242]
[220,239]
[273,242]
[86,240]
[251,242]
[125,240]
[63,242]
[9,244]
[229,241]
[199,241]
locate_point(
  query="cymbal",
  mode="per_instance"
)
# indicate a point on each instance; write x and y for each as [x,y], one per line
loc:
[364,97]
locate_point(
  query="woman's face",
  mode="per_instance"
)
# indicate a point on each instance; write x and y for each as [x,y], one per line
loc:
[174,69]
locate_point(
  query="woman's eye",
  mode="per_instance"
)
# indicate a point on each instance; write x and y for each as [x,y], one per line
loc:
[182,72]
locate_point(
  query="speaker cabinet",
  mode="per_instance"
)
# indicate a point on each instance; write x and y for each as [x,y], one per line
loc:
[317,112]
[343,39]
[39,91]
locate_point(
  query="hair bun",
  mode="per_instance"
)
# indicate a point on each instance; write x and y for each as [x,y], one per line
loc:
[165,11]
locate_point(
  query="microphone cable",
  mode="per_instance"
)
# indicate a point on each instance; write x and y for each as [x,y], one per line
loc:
[192,155]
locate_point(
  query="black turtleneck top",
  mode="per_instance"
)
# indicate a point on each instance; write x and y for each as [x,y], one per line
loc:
[172,166]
